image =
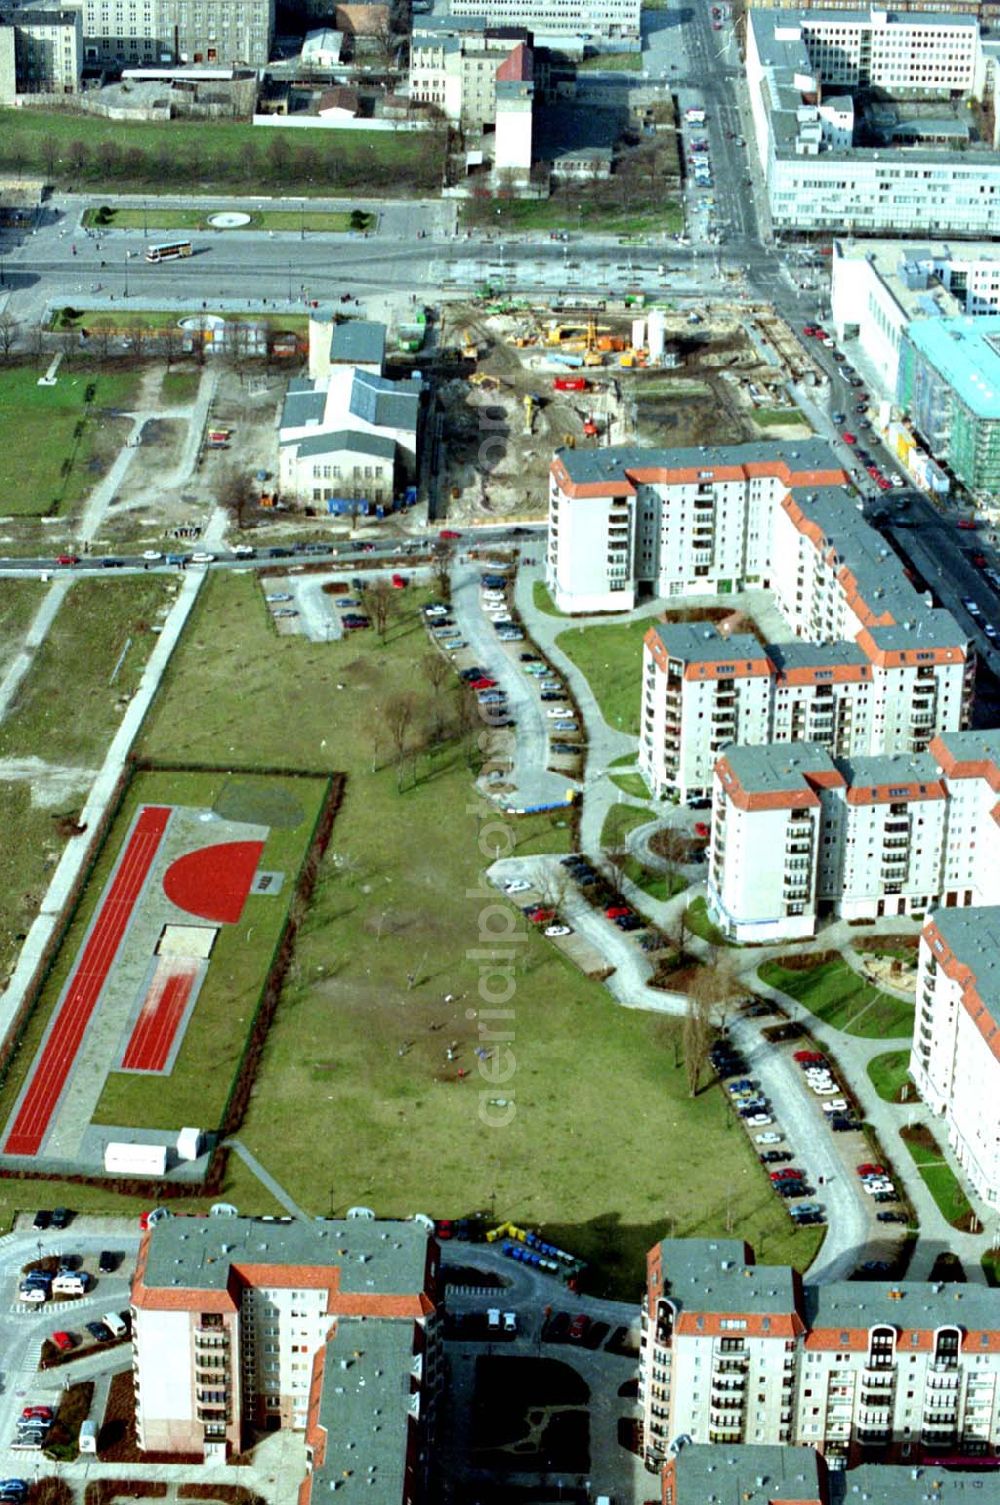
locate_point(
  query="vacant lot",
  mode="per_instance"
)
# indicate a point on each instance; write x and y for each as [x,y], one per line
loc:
[19,601]
[57,443]
[842,999]
[30,847]
[356,1086]
[70,149]
[71,700]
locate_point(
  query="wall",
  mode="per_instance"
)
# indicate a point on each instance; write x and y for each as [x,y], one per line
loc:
[314,122]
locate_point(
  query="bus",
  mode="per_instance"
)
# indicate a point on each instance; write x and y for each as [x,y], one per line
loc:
[694,115]
[168,248]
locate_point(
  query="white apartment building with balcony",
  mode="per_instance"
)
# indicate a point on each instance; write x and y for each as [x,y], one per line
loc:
[732,1353]
[236,1320]
[798,835]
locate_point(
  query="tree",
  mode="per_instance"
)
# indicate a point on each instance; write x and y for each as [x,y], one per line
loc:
[8,335]
[444,555]
[399,713]
[436,670]
[697,1041]
[237,493]
[672,845]
[77,157]
[50,155]
[716,988]
[359,219]
[379,601]
[278,157]
[386,42]
[108,155]
[616,861]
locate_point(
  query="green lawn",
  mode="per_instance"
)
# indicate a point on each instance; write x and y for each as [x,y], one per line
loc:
[77,150]
[611,62]
[610,658]
[542,599]
[777,417]
[66,709]
[156,217]
[19,601]
[619,821]
[29,850]
[699,922]
[941,1181]
[889,1075]
[155,318]
[574,210]
[179,388]
[57,443]
[842,999]
[355,1100]
[660,886]
[631,783]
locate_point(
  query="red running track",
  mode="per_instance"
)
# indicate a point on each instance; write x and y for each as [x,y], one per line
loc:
[163,1008]
[94,964]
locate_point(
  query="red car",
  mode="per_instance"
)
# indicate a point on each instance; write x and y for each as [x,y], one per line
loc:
[448,533]
[542,916]
[578,1328]
[617,911]
[883,483]
[809,1057]
[820,334]
[963,522]
[444,1228]
[399,582]
[67,559]
[787,1174]
[849,438]
[809,329]
[63,1341]
[38,1413]
[484,684]
[700,828]
[871,1170]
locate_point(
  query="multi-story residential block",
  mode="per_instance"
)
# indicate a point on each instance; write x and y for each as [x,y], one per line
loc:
[612,20]
[41,50]
[949,386]
[130,33]
[955,1059]
[455,63]
[798,835]
[248,1324]
[732,1352]
[928,178]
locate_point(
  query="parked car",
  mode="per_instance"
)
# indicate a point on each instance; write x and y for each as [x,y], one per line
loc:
[768,1137]
[578,1327]
[788,1173]
[63,1341]
[100,1332]
[38,1413]
[42,1219]
[61,1217]
[774,1157]
[891,1217]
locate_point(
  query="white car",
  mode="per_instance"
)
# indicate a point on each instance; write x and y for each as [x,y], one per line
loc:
[839,1105]
[33,1293]
[768,1137]
[760,1120]
[151,554]
[871,1187]
[517,886]
[493,1318]
[557,712]
[202,558]
[510,1322]
[824,1089]
[558,930]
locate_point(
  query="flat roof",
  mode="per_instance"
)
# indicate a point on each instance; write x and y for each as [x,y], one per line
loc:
[716,1275]
[914,1484]
[905,1304]
[703,643]
[797,653]
[974,936]
[364,1410]
[776,767]
[978,745]
[965,351]
[747,1474]
[196,1253]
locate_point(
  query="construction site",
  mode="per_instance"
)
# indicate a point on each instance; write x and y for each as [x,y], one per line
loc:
[518,380]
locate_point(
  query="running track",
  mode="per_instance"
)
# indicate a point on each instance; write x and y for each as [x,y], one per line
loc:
[149,1045]
[53,1066]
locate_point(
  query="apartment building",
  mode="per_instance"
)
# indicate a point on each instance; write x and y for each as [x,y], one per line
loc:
[798,835]
[927,178]
[732,1352]
[243,1325]
[955,1058]
[455,63]
[949,386]
[135,33]
[610,20]
[41,50]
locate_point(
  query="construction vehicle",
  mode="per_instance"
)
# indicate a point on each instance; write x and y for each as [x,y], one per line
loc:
[530,403]
[470,349]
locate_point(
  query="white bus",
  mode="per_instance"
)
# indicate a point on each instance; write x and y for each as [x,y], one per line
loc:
[694,116]
[168,248]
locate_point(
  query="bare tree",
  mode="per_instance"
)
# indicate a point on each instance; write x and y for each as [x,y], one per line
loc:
[673,846]
[378,601]
[170,343]
[717,988]
[436,670]
[237,493]
[697,1041]
[375,731]
[444,558]
[616,861]
[8,335]
[398,716]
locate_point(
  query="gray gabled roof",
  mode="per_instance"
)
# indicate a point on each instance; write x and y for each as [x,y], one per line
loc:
[369,445]
[358,342]
[303,404]
[384,403]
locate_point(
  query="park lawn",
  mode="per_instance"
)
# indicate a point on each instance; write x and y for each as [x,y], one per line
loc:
[42,142]
[660,886]
[841,998]
[941,1181]
[66,708]
[575,211]
[542,599]
[778,417]
[179,388]
[19,601]
[700,923]
[546,832]
[355,1100]
[37,435]
[197,1088]
[610,659]
[889,1074]
[632,784]
[619,821]
[157,217]
[29,850]
[157,318]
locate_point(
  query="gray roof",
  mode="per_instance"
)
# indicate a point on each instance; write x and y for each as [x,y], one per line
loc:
[702,643]
[981,745]
[372,1256]
[889,768]
[587,465]
[358,342]
[365,1411]
[799,654]
[778,767]
[974,936]
[750,1474]
[716,1275]
[906,1304]
[893,1484]
[303,404]
[355,443]
[387,404]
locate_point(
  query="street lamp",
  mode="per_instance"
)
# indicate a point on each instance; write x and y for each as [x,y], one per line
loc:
[145,219]
[289,282]
[302,220]
[126,274]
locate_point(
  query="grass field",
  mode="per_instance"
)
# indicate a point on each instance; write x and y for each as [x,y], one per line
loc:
[19,601]
[632,784]
[72,149]
[66,709]
[700,923]
[611,62]
[837,995]
[542,598]
[29,850]
[576,210]
[157,218]
[619,821]
[940,1179]
[38,435]
[778,417]
[178,388]
[355,1100]
[610,658]
[890,1076]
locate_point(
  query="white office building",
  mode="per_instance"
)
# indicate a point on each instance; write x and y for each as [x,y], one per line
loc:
[610,20]
[799,836]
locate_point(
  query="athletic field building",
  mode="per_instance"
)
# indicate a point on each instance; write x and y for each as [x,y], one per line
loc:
[248,1325]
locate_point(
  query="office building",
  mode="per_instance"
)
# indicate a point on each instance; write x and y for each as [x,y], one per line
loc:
[798,835]
[555,20]
[41,51]
[737,1353]
[246,1325]
[133,33]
